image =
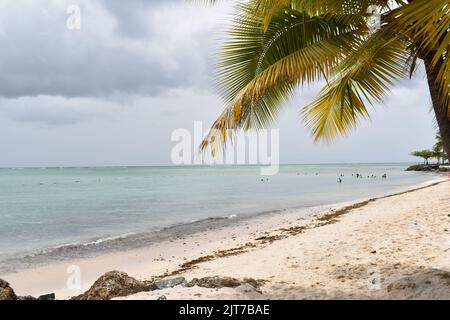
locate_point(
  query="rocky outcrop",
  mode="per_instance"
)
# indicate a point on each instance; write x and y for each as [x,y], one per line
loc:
[6,292]
[118,284]
[429,168]
[170,283]
[49,296]
[113,284]
[27,298]
[221,282]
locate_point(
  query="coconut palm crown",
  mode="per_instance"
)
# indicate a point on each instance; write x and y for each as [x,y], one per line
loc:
[275,46]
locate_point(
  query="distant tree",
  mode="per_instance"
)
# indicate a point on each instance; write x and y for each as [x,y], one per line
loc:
[425,154]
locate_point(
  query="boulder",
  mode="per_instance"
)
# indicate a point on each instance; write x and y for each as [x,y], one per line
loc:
[113,284]
[50,296]
[170,283]
[26,298]
[221,282]
[6,292]
[423,167]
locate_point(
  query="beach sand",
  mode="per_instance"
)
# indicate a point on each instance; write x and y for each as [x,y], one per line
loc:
[395,246]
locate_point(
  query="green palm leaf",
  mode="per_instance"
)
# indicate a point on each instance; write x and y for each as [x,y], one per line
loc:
[260,69]
[363,77]
[426,23]
[274,46]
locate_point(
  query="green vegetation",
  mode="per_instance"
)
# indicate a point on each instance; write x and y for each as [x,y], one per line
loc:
[437,152]
[275,46]
[425,154]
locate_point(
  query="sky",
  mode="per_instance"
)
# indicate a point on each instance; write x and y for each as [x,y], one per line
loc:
[112,91]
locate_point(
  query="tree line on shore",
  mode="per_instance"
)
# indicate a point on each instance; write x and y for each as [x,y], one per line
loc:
[437,152]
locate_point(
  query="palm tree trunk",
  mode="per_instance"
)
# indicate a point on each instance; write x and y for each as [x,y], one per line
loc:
[440,109]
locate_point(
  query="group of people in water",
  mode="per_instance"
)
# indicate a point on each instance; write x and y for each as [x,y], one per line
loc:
[360,176]
[340,179]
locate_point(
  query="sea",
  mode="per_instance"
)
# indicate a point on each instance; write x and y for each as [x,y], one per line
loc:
[57,213]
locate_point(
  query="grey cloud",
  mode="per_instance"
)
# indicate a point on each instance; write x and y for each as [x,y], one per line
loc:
[40,56]
[131,17]
[50,110]
[113,92]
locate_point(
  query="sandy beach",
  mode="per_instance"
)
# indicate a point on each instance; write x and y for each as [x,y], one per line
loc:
[392,246]
[257,150]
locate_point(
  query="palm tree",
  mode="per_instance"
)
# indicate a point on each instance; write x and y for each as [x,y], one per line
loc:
[438,149]
[275,46]
[438,145]
[425,154]
[444,158]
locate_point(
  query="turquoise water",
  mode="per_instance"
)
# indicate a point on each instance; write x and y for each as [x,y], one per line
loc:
[43,208]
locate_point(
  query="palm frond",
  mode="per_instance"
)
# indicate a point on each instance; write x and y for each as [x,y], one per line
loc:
[267,8]
[276,45]
[259,70]
[427,24]
[363,77]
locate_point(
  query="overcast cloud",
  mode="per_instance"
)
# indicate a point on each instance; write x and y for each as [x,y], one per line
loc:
[112,92]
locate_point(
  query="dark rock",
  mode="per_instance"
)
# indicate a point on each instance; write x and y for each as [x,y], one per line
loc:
[162,298]
[113,284]
[26,298]
[421,167]
[50,296]
[170,283]
[429,168]
[6,292]
[221,282]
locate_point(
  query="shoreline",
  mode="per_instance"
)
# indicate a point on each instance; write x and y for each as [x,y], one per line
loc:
[116,243]
[328,214]
[182,255]
[132,241]
[393,247]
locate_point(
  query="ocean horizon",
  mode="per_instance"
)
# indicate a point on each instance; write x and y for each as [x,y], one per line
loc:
[406,163]
[53,212]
